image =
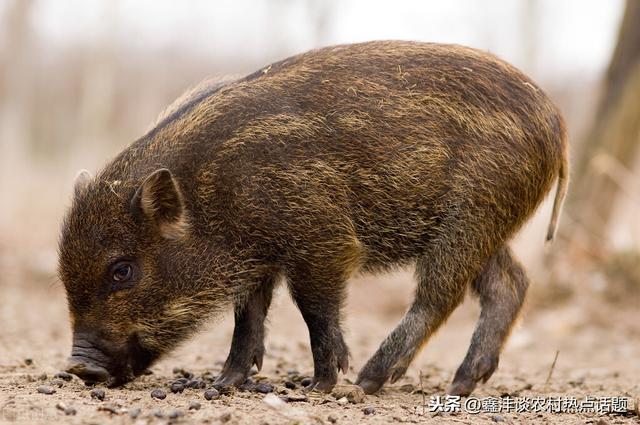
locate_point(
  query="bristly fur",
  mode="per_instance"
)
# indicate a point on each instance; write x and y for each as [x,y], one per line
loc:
[354,157]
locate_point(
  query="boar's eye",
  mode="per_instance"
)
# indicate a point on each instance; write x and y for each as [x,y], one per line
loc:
[121,275]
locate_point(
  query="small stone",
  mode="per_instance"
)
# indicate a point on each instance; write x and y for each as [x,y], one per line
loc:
[368,410]
[175,414]
[343,401]
[497,418]
[211,394]
[135,412]
[64,376]
[194,405]
[98,393]
[28,361]
[290,385]
[158,413]
[176,387]
[57,382]
[306,382]
[158,394]
[43,389]
[68,410]
[111,408]
[264,388]
[332,419]
[353,393]
[293,398]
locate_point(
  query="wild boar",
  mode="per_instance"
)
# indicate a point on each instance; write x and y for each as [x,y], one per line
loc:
[361,157]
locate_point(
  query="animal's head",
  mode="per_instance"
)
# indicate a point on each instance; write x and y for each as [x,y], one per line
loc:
[123,254]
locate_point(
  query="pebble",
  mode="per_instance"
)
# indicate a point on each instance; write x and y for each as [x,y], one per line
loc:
[306,382]
[68,410]
[135,412]
[175,414]
[98,393]
[43,389]
[28,361]
[292,398]
[111,408]
[497,418]
[63,375]
[211,393]
[353,393]
[177,387]
[158,413]
[368,410]
[194,405]
[332,419]
[264,388]
[57,382]
[290,385]
[158,394]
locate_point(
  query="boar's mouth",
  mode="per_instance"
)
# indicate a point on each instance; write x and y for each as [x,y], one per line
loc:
[96,360]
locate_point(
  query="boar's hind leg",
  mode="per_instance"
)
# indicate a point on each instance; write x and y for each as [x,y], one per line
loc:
[320,300]
[501,285]
[438,293]
[247,345]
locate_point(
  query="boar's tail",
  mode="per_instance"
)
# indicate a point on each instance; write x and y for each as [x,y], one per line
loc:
[561,191]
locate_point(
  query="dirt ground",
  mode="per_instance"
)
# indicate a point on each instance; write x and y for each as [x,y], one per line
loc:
[598,344]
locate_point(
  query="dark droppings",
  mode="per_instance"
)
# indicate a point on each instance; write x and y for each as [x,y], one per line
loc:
[158,394]
[290,385]
[98,393]
[368,410]
[263,388]
[211,394]
[177,387]
[306,382]
[63,375]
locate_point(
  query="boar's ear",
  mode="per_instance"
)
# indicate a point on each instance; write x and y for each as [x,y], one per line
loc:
[160,200]
[81,182]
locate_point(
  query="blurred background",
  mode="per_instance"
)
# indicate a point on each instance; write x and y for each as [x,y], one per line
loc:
[80,80]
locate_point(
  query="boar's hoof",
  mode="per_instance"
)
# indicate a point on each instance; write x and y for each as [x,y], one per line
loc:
[230,377]
[322,385]
[461,388]
[370,386]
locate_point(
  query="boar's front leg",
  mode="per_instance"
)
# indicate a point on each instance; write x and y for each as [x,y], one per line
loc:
[320,299]
[501,286]
[247,345]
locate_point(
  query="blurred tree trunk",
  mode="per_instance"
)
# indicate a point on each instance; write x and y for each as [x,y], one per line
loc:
[614,140]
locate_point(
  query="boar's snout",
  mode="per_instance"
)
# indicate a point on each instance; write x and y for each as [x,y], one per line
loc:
[86,371]
[89,360]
